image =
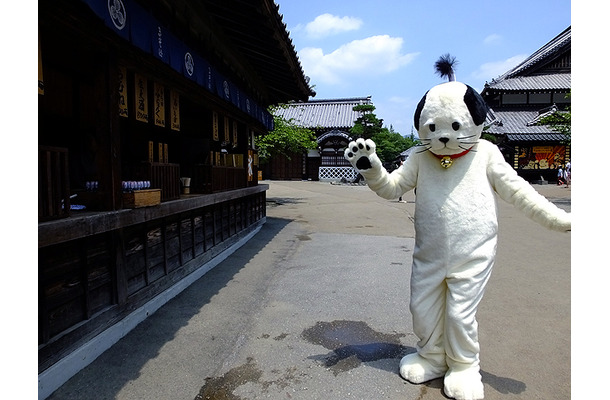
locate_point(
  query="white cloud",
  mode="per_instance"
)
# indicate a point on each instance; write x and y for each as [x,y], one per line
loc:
[328,24]
[491,70]
[492,39]
[375,55]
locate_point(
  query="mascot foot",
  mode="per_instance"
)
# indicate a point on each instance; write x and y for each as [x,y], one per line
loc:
[417,369]
[464,384]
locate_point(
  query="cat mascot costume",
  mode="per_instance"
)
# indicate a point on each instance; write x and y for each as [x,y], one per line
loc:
[456,176]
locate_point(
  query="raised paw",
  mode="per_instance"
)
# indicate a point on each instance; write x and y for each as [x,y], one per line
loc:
[361,154]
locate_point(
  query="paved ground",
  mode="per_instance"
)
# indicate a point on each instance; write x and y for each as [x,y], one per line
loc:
[315,306]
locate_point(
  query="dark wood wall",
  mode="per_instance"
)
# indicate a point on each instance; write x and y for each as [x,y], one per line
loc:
[88,284]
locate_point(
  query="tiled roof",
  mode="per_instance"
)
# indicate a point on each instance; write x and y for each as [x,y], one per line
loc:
[547,51]
[520,126]
[535,82]
[521,78]
[325,114]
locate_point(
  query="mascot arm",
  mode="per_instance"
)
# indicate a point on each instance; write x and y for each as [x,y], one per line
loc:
[361,154]
[517,191]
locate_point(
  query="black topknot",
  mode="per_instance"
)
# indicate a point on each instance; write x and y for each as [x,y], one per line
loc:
[445,66]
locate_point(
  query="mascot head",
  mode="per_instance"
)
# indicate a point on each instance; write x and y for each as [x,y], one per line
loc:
[449,118]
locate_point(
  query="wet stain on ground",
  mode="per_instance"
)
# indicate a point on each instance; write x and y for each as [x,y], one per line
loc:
[221,388]
[226,386]
[281,337]
[353,342]
[279,201]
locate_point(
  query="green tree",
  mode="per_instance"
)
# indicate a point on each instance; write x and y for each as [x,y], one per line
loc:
[390,144]
[367,124]
[286,138]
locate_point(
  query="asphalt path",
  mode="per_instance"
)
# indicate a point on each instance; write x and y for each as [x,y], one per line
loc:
[315,306]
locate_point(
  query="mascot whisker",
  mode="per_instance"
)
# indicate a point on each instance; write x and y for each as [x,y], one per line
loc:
[457,176]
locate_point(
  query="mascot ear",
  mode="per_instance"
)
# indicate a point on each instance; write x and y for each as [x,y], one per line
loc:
[418,111]
[476,105]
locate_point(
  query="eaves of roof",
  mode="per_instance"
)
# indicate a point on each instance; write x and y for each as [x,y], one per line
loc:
[535,137]
[520,126]
[251,39]
[550,49]
[535,82]
[323,114]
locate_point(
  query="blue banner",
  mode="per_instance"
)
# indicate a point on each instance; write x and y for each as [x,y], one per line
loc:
[133,23]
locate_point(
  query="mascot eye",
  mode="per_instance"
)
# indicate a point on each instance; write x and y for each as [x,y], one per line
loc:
[432,127]
[455,126]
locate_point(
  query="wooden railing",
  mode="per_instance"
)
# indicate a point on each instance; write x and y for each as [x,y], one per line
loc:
[163,176]
[53,183]
[88,283]
[212,179]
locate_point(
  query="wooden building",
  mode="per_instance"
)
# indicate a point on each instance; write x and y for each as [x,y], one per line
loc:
[136,98]
[521,97]
[331,121]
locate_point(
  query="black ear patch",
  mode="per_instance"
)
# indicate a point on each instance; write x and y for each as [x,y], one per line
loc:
[418,111]
[476,105]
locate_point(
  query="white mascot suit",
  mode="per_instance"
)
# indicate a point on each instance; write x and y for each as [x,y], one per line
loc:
[456,176]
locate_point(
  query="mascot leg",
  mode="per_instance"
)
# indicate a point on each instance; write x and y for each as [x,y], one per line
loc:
[465,289]
[428,298]
[444,310]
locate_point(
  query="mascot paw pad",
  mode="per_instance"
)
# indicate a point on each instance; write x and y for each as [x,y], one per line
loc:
[358,153]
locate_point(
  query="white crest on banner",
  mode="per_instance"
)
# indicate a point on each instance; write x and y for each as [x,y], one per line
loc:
[225,84]
[118,14]
[189,63]
[160,42]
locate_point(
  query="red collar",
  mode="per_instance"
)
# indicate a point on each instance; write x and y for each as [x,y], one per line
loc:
[452,156]
[447,160]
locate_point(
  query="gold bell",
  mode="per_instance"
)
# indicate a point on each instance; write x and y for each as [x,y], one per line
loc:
[446,162]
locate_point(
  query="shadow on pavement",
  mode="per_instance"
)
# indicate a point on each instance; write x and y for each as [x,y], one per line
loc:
[109,373]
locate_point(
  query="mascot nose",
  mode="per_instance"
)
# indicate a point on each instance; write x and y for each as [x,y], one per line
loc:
[444,140]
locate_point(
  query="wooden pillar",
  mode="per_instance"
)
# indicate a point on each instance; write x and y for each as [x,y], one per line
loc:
[107,133]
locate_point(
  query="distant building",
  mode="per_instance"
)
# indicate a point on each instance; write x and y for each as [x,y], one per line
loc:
[331,120]
[521,97]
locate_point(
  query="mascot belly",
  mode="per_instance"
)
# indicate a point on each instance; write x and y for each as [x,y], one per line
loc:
[458,178]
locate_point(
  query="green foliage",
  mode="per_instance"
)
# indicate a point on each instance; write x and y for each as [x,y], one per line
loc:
[286,138]
[390,144]
[489,137]
[367,124]
[560,122]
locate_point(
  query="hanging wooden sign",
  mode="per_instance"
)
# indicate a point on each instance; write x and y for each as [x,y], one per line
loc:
[215,125]
[123,92]
[234,133]
[175,110]
[40,79]
[227,130]
[141,98]
[250,166]
[159,104]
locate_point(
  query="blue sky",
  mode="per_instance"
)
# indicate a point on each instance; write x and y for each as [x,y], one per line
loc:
[387,48]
